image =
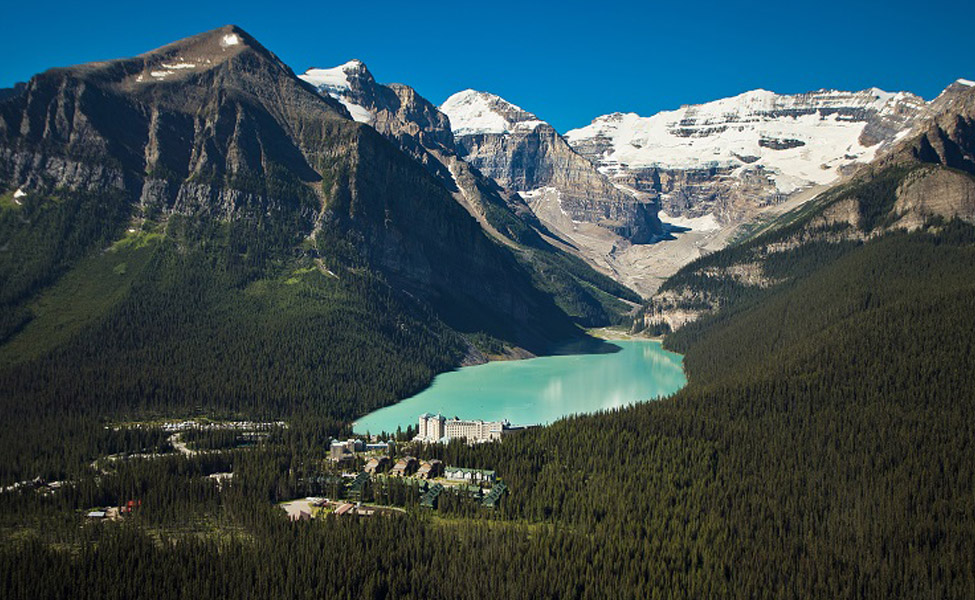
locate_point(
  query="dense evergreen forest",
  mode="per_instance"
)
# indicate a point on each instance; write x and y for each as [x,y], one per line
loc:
[245,252]
[824,448]
[184,317]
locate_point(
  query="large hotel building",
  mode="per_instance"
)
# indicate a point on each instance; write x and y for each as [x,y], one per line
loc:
[434,428]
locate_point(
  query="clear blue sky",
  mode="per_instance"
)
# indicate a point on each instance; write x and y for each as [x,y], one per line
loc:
[566,61]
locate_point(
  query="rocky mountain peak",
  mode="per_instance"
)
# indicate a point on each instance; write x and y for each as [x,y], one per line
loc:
[946,133]
[349,83]
[213,107]
[472,112]
[956,92]
[396,111]
[341,79]
[180,61]
[564,190]
[959,86]
[728,157]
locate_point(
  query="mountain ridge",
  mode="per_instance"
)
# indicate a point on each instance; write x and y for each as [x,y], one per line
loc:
[423,132]
[729,156]
[232,227]
[924,182]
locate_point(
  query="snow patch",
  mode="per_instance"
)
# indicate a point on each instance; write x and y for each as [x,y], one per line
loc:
[160,74]
[472,113]
[902,134]
[359,113]
[334,79]
[528,125]
[335,83]
[704,223]
[231,39]
[179,65]
[791,136]
[966,82]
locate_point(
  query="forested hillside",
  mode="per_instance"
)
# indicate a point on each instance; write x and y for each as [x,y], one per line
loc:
[196,231]
[822,449]
[290,264]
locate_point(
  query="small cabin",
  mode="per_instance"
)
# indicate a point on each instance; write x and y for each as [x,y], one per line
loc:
[377,464]
[430,469]
[405,466]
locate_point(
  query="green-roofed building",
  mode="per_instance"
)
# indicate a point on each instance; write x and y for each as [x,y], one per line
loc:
[493,499]
[358,485]
[469,475]
[429,499]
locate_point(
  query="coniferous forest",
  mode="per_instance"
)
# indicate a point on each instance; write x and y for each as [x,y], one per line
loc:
[823,448]
[231,247]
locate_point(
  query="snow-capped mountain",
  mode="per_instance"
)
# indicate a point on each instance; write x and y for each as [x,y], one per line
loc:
[707,168]
[525,154]
[474,112]
[394,110]
[337,83]
[927,177]
[422,131]
[731,156]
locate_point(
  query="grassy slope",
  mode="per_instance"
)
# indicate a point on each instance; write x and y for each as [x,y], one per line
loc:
[81,297]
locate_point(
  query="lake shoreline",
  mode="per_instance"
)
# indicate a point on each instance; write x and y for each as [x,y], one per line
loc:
[541,390]
[621,335]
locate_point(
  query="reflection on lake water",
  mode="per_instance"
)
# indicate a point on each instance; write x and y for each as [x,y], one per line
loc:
[540,390]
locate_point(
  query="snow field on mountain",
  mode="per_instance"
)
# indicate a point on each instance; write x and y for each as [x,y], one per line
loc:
[472,113]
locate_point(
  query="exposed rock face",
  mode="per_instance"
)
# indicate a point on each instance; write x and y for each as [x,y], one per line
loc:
[420,130]
[946,134]
[923,181]
[928,193]
[423,132]
[525,154]
[396,111]
[944,138]
[212,107]
[17,90]
[729,157]
[215,127]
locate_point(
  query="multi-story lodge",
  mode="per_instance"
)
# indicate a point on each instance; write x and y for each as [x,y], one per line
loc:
[434,428]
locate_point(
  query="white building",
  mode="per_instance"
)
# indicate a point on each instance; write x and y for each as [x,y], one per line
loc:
[431,427]
[434,428]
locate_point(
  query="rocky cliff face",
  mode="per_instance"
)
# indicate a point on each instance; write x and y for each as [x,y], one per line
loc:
[216,129]
[731,157]
[945,135]
[396,111]
[421,131]
[525,154]
[408,120]
[923,181]
[170,127]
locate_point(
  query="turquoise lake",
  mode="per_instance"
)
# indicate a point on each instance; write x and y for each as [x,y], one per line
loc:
[540,390]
